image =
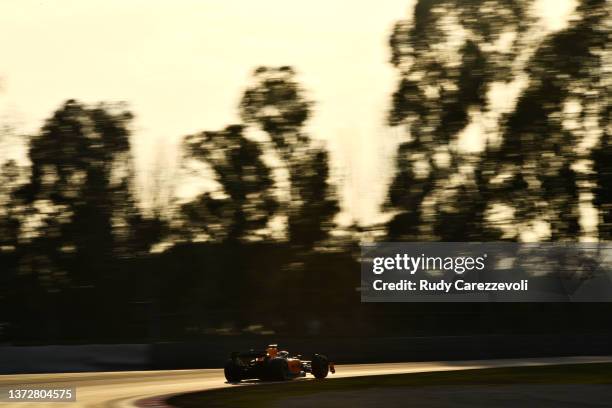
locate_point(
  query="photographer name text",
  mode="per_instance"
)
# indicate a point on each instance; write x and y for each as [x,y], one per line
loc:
[459,285]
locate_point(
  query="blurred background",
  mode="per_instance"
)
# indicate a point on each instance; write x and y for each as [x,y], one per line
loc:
[198,170]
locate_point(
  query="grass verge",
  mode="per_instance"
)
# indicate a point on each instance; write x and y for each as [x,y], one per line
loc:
[267,394]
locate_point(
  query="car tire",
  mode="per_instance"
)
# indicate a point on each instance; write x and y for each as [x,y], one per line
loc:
[279,369]
[232,371]
[319,366]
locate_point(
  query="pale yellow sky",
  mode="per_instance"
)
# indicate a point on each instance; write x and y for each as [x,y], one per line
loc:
[182,66]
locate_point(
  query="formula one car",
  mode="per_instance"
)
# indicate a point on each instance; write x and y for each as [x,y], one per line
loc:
[274,365]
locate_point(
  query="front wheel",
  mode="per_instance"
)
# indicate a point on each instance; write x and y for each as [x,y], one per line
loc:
[320,366]
[232,371]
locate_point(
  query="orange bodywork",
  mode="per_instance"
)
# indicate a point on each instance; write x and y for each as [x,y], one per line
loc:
[295,365]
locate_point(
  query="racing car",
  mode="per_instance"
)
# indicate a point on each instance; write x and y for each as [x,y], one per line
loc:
[274,364]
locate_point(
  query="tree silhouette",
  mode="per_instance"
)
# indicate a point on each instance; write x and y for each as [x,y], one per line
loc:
[539,151]
[9,206]
[448,59]
[602,158]
[596,33]
[438,192]
[276,103]
[78,194]
[244,202]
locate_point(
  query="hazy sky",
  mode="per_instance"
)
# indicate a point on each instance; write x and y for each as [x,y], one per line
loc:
[182,67]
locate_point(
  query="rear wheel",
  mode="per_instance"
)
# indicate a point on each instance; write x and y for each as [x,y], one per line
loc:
[232,371]
[279,369]
[320,366]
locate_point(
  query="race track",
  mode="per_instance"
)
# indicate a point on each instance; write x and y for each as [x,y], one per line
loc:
[125,389]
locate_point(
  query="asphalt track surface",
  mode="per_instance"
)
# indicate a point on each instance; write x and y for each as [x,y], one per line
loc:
[147,388]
